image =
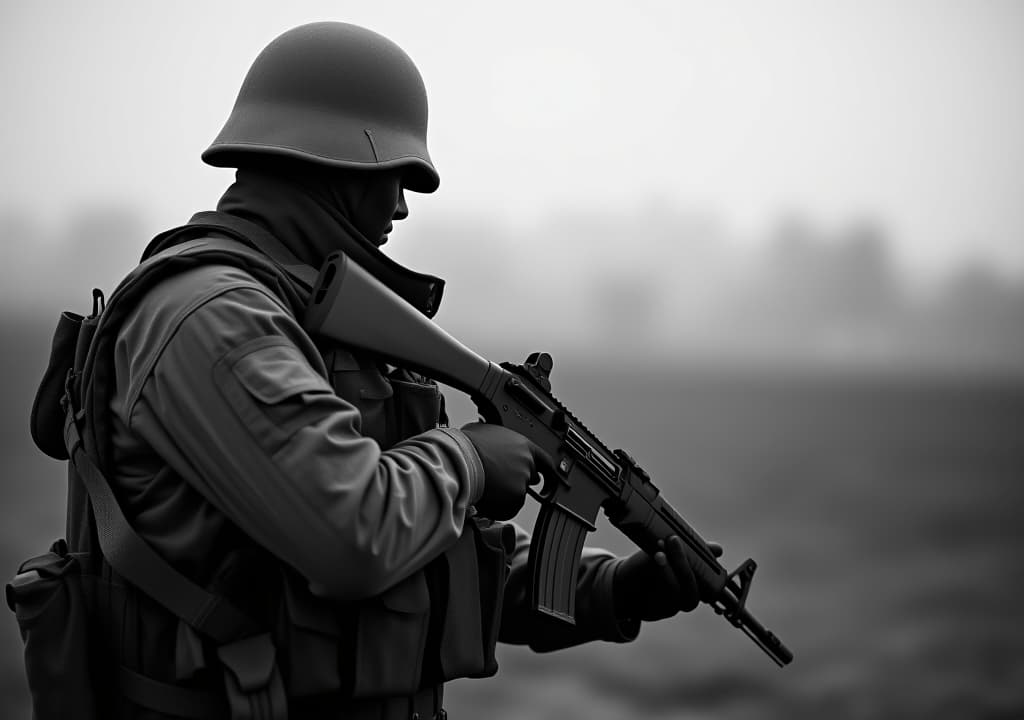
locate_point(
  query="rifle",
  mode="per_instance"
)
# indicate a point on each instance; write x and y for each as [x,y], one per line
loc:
[351,306]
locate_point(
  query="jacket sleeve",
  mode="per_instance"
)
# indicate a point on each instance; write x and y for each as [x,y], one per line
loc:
[595,613]
[232,394]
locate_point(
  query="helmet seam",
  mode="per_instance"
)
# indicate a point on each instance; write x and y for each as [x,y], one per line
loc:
[373,145]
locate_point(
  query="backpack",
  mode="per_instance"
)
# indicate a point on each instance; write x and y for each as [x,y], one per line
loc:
[51,594]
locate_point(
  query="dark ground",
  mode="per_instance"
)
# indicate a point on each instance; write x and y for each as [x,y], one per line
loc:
[884,513]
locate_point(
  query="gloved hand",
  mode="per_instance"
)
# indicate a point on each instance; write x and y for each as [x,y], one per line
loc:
[655,587]
[511,463]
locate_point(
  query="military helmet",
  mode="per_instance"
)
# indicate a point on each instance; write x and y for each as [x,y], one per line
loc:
[336,95]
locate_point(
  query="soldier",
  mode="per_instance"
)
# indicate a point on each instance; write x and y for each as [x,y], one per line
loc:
[317,489]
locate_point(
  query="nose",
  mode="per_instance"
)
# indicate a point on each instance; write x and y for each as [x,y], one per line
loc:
[401,209]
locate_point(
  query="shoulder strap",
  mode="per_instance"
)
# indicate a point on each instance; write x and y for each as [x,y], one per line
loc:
[133,558]
[253,683]
[252,234]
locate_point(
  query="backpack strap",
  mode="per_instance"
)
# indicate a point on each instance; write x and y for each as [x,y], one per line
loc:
[131,556]
[255,689]
[251,234]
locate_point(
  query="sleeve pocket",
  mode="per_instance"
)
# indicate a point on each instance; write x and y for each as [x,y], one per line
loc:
[263,382]
[273,373]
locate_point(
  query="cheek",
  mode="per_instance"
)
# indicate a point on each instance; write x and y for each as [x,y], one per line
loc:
[377,209]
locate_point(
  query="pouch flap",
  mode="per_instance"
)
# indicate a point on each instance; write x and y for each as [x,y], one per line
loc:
[343,361]
[354,376]
[307,611]
[408,596]
[250,660]
[275,372]
[498,535]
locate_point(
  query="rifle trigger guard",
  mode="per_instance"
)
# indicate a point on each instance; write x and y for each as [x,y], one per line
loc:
[741,579]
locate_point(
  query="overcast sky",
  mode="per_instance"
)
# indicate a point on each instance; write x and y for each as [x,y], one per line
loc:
[910,112]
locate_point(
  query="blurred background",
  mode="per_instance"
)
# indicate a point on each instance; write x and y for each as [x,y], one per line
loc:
[776,249]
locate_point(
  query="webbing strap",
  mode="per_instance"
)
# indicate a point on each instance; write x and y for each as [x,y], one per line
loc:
[171,699]
[132,557]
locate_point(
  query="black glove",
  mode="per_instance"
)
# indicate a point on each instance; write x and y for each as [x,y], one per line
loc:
[511,463]
[655,587]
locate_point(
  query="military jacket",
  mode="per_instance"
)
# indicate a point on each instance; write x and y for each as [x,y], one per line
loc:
[317,487]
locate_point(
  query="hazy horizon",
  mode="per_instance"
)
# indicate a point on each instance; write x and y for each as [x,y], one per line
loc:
[806,296]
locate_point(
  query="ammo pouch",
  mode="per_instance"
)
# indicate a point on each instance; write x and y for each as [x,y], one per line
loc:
[479,567]
[438,624]
[49,601]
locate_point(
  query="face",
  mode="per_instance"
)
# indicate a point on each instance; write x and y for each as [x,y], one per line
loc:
[382,204]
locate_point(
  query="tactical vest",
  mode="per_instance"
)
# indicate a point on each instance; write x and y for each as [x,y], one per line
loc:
[384,657]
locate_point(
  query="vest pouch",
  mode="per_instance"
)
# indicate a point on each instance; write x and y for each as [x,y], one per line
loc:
[362,384]
[309,637]
[48,599]
[415,408]
[478,569]
[497,542]
[391,636]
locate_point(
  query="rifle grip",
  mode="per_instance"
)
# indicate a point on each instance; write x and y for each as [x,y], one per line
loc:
[555,550]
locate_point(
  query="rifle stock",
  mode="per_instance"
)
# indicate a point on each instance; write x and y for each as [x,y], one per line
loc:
[352,307]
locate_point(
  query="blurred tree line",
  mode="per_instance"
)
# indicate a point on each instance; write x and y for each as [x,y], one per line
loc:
[656,283]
